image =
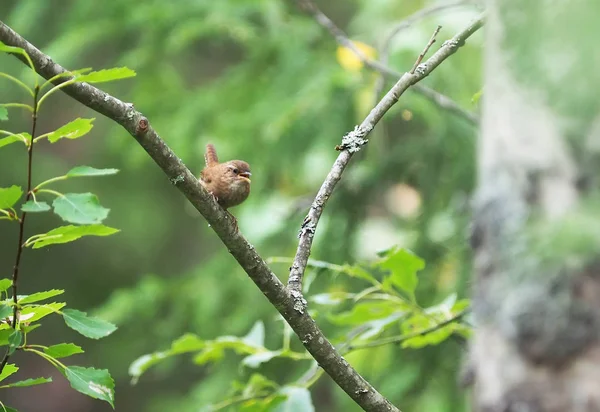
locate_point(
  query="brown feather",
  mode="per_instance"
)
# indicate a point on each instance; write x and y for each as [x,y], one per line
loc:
[210,156]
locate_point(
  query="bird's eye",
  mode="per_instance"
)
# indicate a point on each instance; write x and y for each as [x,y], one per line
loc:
[236,171]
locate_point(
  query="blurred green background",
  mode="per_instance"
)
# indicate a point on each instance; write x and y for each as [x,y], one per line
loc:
[263,82]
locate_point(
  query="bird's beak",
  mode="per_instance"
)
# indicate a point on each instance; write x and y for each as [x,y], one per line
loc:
[246,175]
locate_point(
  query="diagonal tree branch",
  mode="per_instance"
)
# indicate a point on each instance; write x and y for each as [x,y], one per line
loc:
[289,306]
[435,97]
[352,142]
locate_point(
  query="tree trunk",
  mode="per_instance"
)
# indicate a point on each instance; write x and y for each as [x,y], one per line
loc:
[536,229]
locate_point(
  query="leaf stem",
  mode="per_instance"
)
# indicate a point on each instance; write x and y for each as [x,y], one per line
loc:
[17,81]
[46,182]
[21,105]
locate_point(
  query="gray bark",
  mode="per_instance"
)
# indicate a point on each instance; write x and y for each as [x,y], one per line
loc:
[536,230]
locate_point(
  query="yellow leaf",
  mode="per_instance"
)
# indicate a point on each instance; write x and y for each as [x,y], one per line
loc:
[349,60]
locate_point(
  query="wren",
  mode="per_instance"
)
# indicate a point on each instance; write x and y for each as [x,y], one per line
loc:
[228,182]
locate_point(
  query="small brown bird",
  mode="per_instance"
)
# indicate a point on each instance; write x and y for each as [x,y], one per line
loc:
[228,182]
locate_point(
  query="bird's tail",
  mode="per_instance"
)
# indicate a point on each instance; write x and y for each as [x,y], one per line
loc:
[210,156]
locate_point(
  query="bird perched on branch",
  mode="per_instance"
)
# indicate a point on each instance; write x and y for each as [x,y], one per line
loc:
[228,182]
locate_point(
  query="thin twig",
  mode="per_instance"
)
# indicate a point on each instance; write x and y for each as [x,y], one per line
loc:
[435,97]
[20,246]
[285,301]
[384,54]
[352,142]
[426,49]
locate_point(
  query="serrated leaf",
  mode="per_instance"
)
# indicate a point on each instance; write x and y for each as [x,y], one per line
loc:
[9,196]
[107,75]
[8,370]
[298,399]
[90,171]
[66,234]
[5,310]
[14,341]
[3,114]
[27,382]
[88,326]
[402,266]
[34,313]
[96,383]
[32,206]
[80,208]
[5,284]
[63,350]
[36,297]
[72,130]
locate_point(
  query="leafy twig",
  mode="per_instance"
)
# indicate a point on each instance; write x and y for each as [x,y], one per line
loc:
[407,336]
[352,142]
[20,246]
[435,97]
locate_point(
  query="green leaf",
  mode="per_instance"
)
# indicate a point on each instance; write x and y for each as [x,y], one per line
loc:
[256,359]
[9,196]
[63,350]
[298,399]
[80,208]
[107,75]
[14,341]
[90,171]
[403,266]
[262,404]
[32,206]
[477,96]
[3,113]
[8,370]
[4,408]
[96,383]
[5,141]
[5,284]
[36,297]
[27,382]
[143,363]
[15,138]
[34,313]
[66,234]
[4,334]
[5,311]
[187,343]
[72,130]
[90,327]
[366,311]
